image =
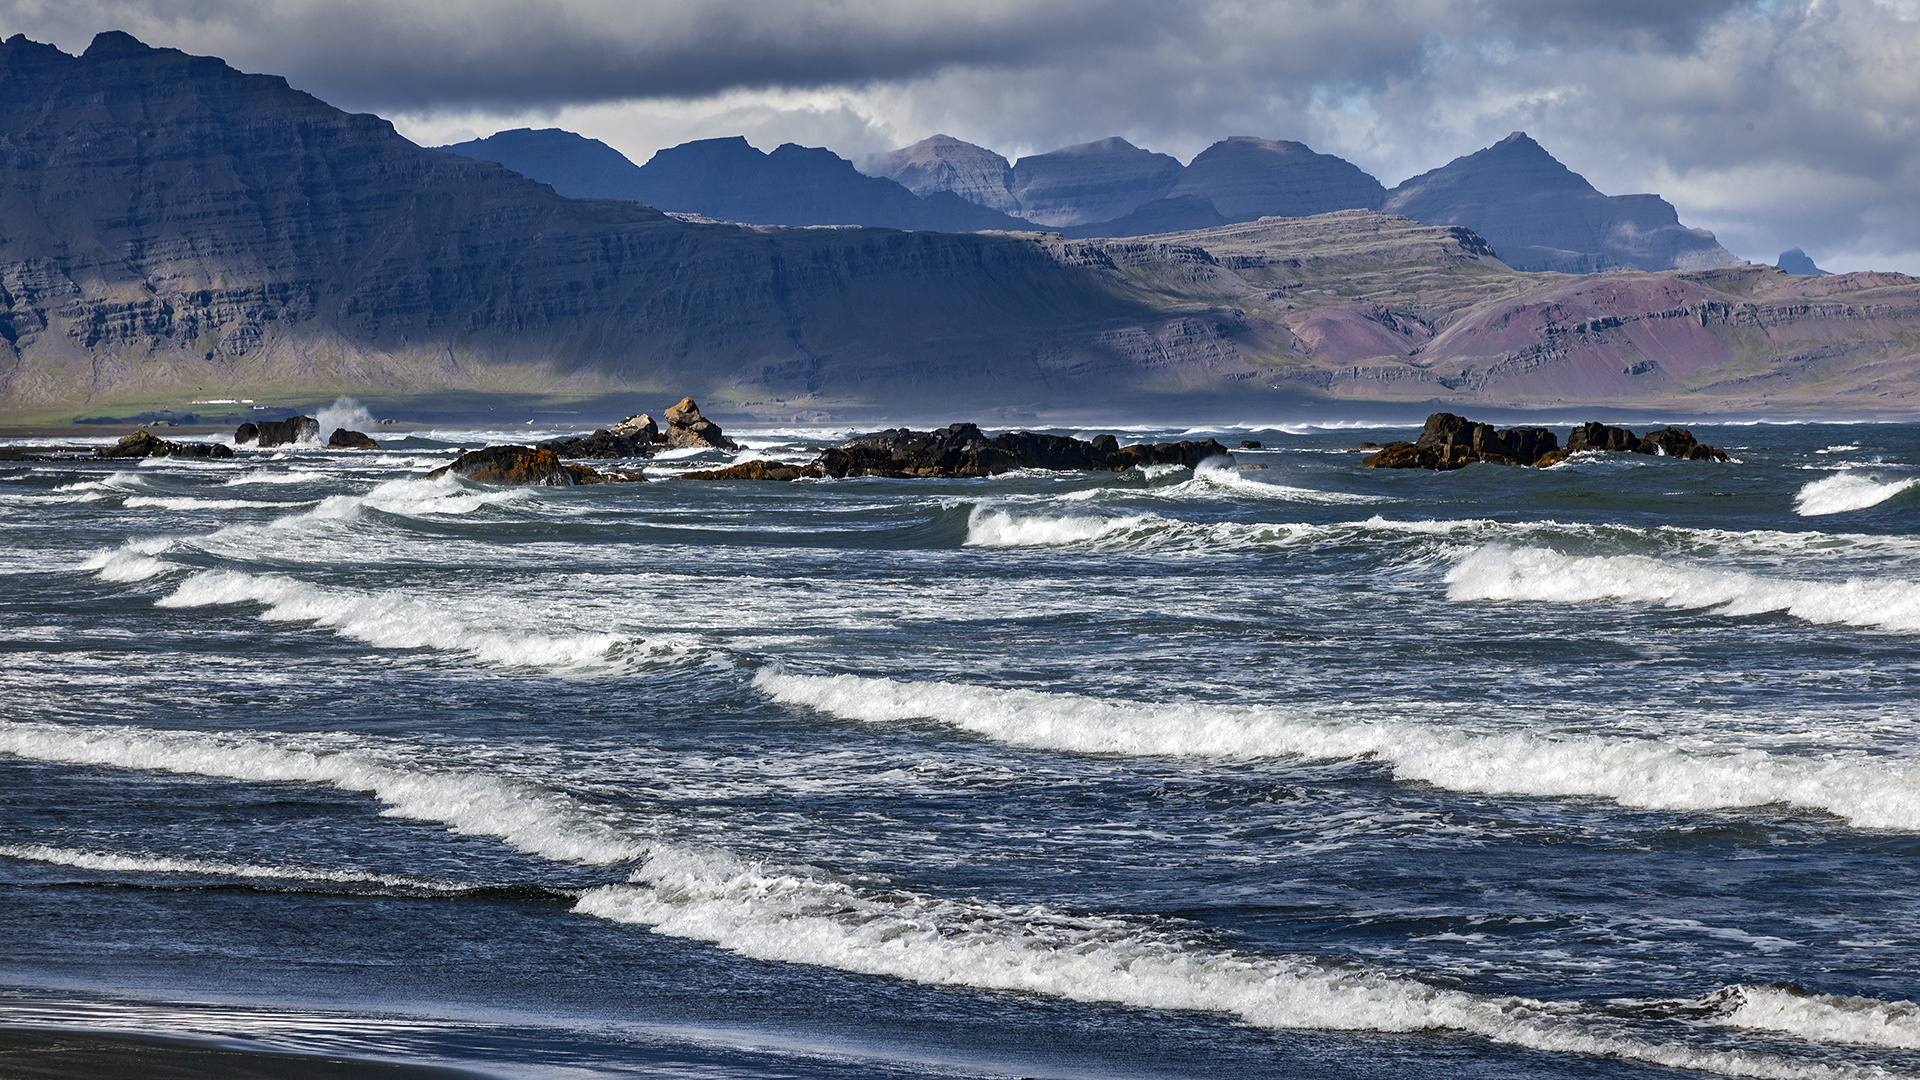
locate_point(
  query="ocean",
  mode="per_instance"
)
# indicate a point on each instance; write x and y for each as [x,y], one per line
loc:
[1277,767]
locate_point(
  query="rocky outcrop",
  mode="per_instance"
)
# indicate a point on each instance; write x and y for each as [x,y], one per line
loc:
[1247,178]
[266,433]
[687,428]
[1452,442]
[1540,215]
[342,439]
[1796,261]
[145,444]
[527,466]
[963,450]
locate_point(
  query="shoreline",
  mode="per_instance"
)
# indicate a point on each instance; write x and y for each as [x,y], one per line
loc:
[81,1054]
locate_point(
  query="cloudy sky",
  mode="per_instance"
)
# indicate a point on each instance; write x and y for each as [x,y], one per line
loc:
[1775,123]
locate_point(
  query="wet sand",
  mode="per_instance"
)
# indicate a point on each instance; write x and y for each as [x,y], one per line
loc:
[39,1054]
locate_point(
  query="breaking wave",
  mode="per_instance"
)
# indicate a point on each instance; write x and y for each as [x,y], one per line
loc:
[391,621]
[1846,491]
[1634,772]
[155,864]
[797,915]
[1499,572]
[1827,1018]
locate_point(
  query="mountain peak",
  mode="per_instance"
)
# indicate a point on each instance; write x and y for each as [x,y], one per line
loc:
[110,43]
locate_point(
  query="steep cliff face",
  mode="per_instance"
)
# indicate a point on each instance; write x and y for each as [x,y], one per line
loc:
[1540,215]
[171,226]
[944,163]
[1247,178]
[573,165]
[1095,181]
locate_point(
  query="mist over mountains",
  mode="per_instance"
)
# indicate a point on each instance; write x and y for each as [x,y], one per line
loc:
[172,228]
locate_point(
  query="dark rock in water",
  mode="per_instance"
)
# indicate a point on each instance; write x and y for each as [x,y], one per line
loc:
[342,439]
[963,450]
[1593,435]
[686,427]
[1250,444]
[758,470]
[639,426]
[526,466]
[279,432]
[602,444]
[1452,442]
[143,444]
[1679,443]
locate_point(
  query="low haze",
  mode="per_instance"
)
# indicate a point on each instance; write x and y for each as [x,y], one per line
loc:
[1777,125]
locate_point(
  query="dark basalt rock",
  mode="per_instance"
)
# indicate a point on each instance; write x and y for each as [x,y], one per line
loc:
[143,444]
[963,450]
[1593,435]
[1452,442]
[687,428]
[342,439]
[758,470]
[603,443]
[527,466]
[1679,442]
[279,432]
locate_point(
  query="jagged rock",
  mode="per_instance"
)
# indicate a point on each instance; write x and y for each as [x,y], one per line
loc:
[963,450]
[639,424]
[143,444]
[279,432]
[1679,443]
[757,470]
[1594,435]
[342,439]
[526,466]
[1451,442]
[687,428]
[604,443]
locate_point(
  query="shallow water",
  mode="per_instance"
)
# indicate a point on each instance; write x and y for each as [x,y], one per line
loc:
[1290,769]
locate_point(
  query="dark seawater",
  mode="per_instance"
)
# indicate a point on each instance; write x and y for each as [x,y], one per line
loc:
[1295,769]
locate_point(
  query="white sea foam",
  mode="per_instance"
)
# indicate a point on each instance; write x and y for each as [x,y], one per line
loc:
[273,476]
[182,502]
[531,818]
[998,529]
[1846,491]
[1499,572]
[1217,474]
[392,621]
[415,497]
[156,864]
[1870,793]
[799,915]
[770,913]
[1824,1018]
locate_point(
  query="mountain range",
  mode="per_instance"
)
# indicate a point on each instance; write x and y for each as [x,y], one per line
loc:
[171,228]
[1537,213]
